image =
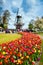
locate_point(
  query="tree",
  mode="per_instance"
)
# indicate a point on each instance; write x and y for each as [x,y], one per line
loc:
[1,22]
[0,19]
[39,24]
[1,25]
[30,26]
[6,16]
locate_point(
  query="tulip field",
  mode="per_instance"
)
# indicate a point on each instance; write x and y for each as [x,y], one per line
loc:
[20,49]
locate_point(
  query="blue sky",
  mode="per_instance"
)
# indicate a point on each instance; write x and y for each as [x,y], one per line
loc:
[29,9]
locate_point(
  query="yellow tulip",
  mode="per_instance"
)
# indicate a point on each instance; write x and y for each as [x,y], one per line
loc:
[19,60]
[0,49]
[39,51]
[3,53]
[35,50]
[22,57]
[20,54]
[27,57]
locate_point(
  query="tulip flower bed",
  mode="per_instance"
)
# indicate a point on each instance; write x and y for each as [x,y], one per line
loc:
[23,51]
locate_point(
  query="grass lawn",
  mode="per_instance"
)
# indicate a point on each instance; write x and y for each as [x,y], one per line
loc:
[8,37]
[40,33]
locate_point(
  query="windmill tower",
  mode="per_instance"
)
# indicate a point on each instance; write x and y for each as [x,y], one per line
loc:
[19,22]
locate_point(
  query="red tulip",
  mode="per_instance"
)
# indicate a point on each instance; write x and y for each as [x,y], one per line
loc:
[0,63]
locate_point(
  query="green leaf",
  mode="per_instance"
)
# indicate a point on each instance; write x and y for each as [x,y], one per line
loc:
[14,57]
[25,54]
[26,62]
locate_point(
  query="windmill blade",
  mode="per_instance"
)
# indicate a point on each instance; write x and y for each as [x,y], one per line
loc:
[16,14]
[17,11]
[15,19]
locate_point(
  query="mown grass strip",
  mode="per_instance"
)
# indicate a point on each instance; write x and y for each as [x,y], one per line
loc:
[8,37]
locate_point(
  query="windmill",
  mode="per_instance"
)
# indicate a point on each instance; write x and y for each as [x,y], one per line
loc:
[18,23]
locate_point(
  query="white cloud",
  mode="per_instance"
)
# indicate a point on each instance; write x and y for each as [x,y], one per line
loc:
[12,21]
[17,3]
[4,1]
[14,3]
[35,8]
[31,2]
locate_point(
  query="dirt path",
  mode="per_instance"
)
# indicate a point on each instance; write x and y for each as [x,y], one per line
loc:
[41,36]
